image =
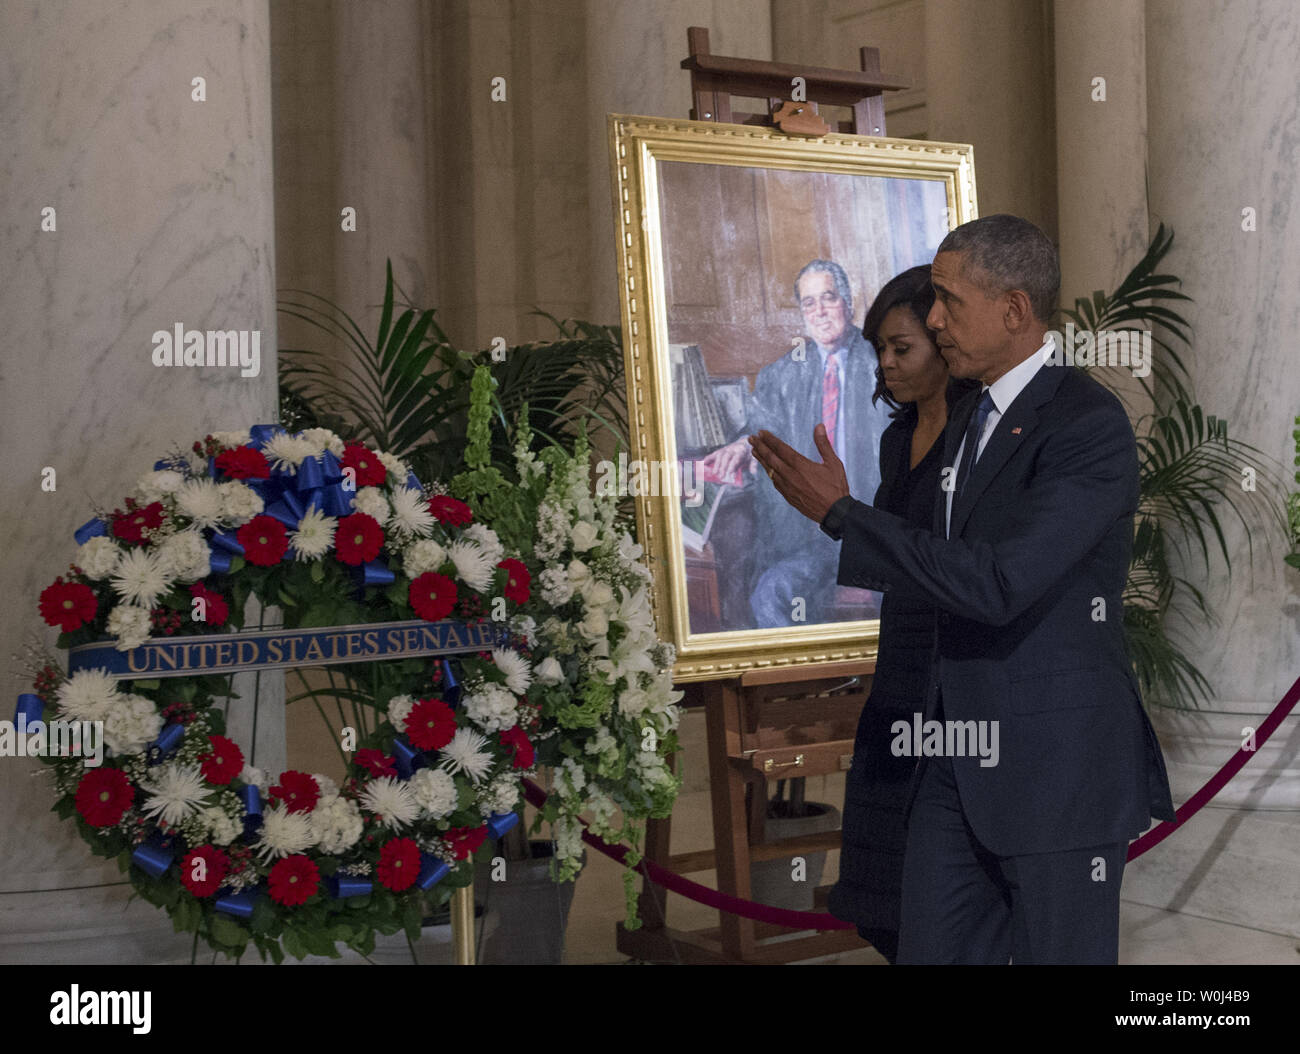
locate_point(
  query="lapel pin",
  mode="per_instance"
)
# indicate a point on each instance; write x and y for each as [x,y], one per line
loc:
[1015,431]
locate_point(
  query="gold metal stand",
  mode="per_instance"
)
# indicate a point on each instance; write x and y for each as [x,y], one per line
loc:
[462,925]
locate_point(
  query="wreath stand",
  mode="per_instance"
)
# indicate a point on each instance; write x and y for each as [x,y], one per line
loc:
[764,724]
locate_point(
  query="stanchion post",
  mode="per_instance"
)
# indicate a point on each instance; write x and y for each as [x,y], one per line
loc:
[462,924]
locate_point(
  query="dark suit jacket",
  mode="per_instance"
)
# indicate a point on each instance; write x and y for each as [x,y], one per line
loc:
[787,401]
[1040,540]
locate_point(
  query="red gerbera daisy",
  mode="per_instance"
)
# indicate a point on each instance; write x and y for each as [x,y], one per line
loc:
[299,791]
[293,880]
[369,469]
[132,525]
[431,724]
[518,580]
[464,841]
[376,762]
[223,762]
[68,605]
[215,609]
[399,864]
[203,870]
[264,540]
[358,539]
[517,741]
[244,462]
[432,596]
[449,510]
[103,796]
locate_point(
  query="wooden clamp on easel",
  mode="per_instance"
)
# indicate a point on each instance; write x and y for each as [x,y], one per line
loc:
[774,723]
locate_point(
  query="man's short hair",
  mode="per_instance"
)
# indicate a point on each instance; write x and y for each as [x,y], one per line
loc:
[1004,252]
[838,276]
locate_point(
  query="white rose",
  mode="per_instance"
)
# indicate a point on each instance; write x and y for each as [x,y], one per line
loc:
[597,594]
[578,573]
[548,671]
[583,535]
[595,625]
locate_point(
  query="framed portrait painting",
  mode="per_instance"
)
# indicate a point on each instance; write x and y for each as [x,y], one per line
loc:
[747,259]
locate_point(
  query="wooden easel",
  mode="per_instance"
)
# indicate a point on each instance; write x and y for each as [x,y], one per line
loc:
[764,724]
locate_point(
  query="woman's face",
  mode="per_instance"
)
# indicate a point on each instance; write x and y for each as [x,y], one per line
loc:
[913,368]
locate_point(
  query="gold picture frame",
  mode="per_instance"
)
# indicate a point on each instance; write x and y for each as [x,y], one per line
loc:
[668,303]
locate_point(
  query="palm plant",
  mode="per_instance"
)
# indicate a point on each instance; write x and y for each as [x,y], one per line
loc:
[1190,470]
[407,391]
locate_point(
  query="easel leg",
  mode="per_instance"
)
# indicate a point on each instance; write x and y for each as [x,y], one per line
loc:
[730,825]
[462,925]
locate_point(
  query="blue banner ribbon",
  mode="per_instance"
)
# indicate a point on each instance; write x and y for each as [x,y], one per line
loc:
[29,709]
[151,858]
[432,871]
[278,649]
[343,886]
[408,759]
[450,684]
[260,434]
[218,563]
[499,823]
[166,743]
[227,542]
[238,904]
[95,528]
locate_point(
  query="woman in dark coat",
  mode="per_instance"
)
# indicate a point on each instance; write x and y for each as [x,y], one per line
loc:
[912,377]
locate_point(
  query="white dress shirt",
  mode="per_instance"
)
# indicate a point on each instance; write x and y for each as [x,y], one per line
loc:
[1004,391]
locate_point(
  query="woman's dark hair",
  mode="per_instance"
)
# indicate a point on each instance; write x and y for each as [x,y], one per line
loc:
[910,289]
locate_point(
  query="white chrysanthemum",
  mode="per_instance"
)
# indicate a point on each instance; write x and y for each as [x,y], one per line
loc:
[286,452]
[372,502]
[435,792]
[86,695]
[465,754]
[392,801]
[175,791]
[336,824]
[554,585]
[411,517]
[98,557]
[399,707]
[140,578]
[314,536]
[549,671]
[222,827]
[131,626]
[491,707]
[200,500]
[487,540]
[239,502]
[284,833]
[397,468]
[424,555]
[518,673]
[230,440]
[324,439]
[472,565]
[184,556]
[154,486]
[131,723]
[501,795]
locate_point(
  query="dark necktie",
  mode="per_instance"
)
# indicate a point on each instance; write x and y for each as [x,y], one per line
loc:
[969,454]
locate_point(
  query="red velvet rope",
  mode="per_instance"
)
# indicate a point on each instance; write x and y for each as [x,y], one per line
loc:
[820,920]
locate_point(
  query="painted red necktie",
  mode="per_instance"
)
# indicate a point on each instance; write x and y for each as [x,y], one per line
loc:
[831,397]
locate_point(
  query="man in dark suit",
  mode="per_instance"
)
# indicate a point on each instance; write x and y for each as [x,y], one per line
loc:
[1019,860]
[829,377]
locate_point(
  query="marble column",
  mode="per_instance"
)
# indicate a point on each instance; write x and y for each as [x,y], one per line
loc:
[1225,174]
[162,215]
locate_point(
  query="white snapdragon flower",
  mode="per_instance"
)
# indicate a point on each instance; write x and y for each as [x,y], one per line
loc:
[554,586]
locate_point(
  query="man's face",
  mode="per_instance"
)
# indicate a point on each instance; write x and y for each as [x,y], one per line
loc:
[824,311]
[971,327]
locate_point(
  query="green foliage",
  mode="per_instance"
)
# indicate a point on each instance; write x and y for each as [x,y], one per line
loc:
[1190,473]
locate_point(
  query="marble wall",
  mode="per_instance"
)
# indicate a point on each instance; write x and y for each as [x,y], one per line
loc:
[163,214]
[1222,115]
